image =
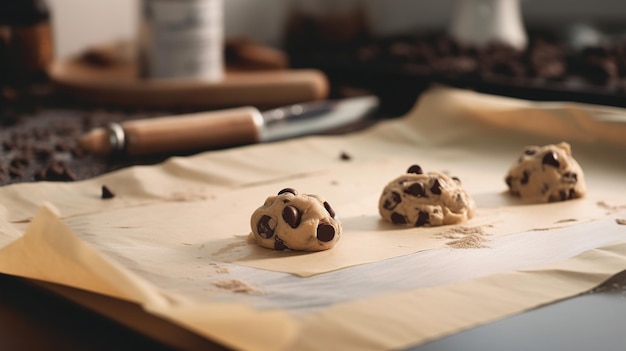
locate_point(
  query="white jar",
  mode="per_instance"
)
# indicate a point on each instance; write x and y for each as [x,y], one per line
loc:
[481,22]
[181,39]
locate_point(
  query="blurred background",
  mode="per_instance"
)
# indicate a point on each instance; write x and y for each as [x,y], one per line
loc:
[559,50]
[79,24]
[62,72]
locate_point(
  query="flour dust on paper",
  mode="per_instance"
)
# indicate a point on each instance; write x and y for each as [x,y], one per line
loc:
[611,208]
[236,286]
[464,237]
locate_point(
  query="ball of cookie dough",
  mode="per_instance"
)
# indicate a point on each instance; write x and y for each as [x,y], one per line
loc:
[425,199]
[546,174]
[289,220]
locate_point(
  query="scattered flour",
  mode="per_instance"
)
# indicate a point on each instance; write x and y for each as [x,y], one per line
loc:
[236,286]
[464,237]
[611,208]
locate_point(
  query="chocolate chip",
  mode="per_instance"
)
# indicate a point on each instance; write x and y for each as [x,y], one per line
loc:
[288,190]
[40,134]
[279,244]
[392,201]
[552,159]
[415,169]
[43,154]
[397,218]
[15,172]
[55,171]
[62,146]
[107,193]
[525,178]
[265,227]
[572,193]
[66,130]
[563,195]
[8,146]
[422,219]
[509,181]
[68,174]
[436,188]
[15,136]
[19,161]
[344,156]
[325,232]
[416,189]
[456,179]
[530,152]
[570,177]
[77,151]
[55,168]
[329,208]
[600,70]
[291,216]
[40,174]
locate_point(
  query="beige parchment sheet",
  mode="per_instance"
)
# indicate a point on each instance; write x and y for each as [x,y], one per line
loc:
[176,233]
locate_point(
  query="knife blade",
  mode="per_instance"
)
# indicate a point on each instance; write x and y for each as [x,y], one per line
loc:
[225,128]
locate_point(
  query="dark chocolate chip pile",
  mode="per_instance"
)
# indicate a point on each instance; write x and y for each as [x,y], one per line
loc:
[398,67]
[36,148]
[39,144]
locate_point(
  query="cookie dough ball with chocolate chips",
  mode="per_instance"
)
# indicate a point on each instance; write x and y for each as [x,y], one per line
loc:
[546,174]
[425,199]
[289,220]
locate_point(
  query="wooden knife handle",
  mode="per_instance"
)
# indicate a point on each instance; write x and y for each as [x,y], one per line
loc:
[197,131]
[173,134]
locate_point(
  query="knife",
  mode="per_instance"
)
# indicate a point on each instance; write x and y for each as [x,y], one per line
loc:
[225,128]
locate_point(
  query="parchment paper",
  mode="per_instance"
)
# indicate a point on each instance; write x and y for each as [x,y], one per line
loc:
[174,239]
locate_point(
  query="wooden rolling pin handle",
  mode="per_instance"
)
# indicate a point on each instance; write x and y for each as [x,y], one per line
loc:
[199,131]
